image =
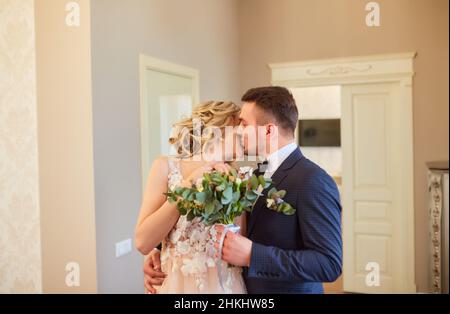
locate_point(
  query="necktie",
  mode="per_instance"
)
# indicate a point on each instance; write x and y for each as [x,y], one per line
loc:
[262,167]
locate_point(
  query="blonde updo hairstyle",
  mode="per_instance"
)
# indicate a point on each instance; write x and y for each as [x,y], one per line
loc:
[217,114]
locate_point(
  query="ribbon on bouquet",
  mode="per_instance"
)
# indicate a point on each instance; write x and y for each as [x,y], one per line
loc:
[233,228]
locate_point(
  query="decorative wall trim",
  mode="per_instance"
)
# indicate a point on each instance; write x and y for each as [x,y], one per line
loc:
[339,70]
[435,190]
[378,68]
[436,205]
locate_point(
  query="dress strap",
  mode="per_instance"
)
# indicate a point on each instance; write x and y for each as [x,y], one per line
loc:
[174,178]
[174,164]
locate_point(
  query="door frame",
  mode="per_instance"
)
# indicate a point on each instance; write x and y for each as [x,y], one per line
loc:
[387,68]
[147,63]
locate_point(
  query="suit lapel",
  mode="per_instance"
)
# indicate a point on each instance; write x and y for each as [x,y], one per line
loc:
[277,178]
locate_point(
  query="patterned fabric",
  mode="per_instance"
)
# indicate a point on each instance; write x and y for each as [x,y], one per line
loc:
[20,231]
[295,254]
[187,255]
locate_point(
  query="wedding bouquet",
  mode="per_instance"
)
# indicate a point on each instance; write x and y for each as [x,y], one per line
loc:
[218,198]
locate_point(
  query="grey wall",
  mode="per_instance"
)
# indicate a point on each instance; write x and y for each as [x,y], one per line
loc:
[197,33]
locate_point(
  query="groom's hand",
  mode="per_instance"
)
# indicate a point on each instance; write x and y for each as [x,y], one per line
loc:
[152,270]
[236,250]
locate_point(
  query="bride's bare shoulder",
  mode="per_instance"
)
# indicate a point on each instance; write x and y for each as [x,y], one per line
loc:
[160,166]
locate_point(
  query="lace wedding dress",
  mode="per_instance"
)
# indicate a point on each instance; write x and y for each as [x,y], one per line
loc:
[187,255]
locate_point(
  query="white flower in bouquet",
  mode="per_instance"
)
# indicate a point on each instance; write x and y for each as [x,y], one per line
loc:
[199,184]
[247,172]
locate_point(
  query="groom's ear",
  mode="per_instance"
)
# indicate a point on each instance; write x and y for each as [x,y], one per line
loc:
[271,129]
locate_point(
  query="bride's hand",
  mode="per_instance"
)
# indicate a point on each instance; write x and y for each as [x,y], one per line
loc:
[152,271]
[200,171]
[222,167]
[196,174]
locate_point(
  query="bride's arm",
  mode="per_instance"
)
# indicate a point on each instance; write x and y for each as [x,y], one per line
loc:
[157,216]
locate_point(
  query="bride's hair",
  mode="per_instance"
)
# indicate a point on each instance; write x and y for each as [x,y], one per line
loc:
[218,114]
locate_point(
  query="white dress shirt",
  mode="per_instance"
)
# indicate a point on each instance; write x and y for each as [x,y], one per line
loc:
[277,158]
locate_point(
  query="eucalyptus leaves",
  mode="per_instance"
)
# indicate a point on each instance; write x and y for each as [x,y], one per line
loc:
[275,202]
[219,198]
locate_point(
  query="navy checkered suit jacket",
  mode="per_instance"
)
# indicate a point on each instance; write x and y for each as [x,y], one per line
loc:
[295,254]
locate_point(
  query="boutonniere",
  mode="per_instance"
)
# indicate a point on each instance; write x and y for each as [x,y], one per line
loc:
[275,202]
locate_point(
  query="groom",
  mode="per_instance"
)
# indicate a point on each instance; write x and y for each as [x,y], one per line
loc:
[281,253]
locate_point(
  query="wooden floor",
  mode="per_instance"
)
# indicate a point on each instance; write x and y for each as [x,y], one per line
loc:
[334,287]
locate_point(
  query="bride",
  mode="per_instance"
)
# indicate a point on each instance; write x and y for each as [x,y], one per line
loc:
[187,254]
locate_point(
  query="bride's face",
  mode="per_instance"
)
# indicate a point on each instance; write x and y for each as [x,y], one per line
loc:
[227,145]
[233,145]
[233,141]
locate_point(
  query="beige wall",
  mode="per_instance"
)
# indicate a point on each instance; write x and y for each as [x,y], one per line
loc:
[64,99]
[20,245]
[295,30]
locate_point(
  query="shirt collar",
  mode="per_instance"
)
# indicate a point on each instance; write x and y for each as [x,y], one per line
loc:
[277,158]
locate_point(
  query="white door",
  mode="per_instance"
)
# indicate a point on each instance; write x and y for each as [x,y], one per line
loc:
[377,189]
[168,93]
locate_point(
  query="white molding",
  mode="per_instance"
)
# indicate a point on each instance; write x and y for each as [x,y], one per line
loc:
[377,68]
[150,63]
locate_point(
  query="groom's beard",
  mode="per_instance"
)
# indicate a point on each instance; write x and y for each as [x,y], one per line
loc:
[240,149]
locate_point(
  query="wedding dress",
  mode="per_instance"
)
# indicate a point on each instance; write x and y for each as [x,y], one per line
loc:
[187,256]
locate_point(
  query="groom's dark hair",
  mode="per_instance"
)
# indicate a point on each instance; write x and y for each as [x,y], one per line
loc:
[276,101]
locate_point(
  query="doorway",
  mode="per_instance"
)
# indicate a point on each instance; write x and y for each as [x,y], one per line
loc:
[319,110]
[375,102]
[168,93]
